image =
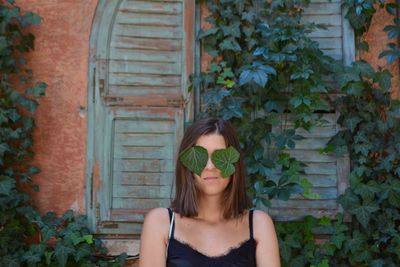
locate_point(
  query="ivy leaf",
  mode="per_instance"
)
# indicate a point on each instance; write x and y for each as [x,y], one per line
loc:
[13,115]
[194,159]
[31,257]
[285,250]
[391,8]
[215,96]
[3,42]
[359,9]
[232,30]
[83,251]
[224,160]
[68,215]
[29,18]
[230,44]
[272,106]
[338,239]
[88,239]
[38,89]
[363,214]
[378,263]
[232,108]
[33,170]
[352,122]
[207,32]
[392,54]
[364,69]
[394,198]
[296,101]
[384,79]
[249,16]
[30,105]
[7,184]
[10,261]
[355,88]
[386,163]
[393,31]
[257,73]
[61,252]
[348,75]
[75,238]
[3,148]
[324,262]
[48,233]
[48,256]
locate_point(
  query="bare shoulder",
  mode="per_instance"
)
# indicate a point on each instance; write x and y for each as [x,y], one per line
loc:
[157,219]
[157,214]
[263,224]
[267,251]
[154,238]
[261,218]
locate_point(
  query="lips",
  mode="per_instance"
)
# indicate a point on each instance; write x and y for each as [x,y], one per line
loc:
[210,178]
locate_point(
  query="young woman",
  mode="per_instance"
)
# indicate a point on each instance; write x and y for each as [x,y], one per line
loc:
[209,222]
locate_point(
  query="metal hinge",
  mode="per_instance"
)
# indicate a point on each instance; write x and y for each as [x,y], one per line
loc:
[101,87]
[91,190]
[98,213]
[113,99]
[110,225]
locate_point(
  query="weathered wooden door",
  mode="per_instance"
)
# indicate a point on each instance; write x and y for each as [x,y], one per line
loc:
[141,56]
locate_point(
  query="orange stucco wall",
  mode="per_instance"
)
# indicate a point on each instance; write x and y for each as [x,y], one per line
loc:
[377,40]
[60,59]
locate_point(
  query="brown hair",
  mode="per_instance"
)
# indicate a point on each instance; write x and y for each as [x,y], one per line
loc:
[235,199]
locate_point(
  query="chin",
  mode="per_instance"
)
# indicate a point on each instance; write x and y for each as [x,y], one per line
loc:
[209,190]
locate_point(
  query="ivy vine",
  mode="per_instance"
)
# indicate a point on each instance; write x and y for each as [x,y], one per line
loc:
[265,67]
[26,237]
[266,73]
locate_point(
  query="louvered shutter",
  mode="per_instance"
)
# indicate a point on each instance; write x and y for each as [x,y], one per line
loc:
[138,74]
[328,175]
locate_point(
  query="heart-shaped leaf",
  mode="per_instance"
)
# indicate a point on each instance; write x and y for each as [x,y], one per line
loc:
[194,158]
[224,159]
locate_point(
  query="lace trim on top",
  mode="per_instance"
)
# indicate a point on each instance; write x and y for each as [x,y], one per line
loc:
[227,252]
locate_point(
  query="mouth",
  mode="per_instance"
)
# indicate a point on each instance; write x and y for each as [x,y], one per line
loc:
[210,178]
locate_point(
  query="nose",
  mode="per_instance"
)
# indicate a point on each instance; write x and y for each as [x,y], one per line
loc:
[210,164]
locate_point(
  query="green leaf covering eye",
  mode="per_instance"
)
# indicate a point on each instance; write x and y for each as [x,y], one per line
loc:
[224,159]
[194,158]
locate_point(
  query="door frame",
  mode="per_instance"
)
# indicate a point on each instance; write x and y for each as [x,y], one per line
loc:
[103,19]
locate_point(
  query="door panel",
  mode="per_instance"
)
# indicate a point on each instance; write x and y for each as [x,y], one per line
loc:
[142,55]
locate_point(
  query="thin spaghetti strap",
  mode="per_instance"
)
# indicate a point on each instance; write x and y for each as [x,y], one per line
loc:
[171,229]
[170,214]
[171,223]
[251,222]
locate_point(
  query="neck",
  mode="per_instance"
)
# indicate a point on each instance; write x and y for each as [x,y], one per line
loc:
[210,209]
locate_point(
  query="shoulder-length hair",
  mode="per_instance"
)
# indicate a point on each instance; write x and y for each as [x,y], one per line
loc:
[235,199]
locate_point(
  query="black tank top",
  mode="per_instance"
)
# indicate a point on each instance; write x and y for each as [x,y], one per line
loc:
[180,254]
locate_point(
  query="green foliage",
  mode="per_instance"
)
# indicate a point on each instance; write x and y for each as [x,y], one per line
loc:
[64,241]
[273,74]
[195,159]
[275,70]
[359,13]
[393,32]
[224,159]
[371,120]
[16,125]
[297,243]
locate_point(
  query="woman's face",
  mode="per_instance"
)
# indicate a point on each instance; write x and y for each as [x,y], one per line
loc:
[210,182]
